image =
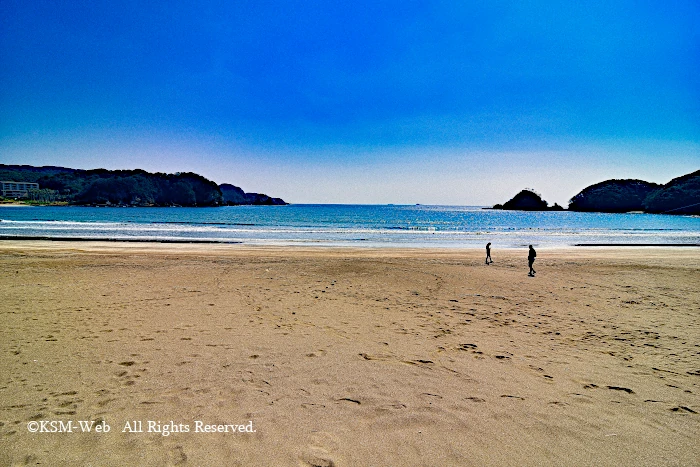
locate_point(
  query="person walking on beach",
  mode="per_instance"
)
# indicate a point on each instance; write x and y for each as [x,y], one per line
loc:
[488,253]
[531,259]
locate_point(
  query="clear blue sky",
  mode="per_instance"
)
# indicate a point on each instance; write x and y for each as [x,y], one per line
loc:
[357,102]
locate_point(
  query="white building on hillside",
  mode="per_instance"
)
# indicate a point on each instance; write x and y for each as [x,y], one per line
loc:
[17,189]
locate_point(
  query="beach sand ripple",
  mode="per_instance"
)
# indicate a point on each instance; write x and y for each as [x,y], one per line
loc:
[349,357]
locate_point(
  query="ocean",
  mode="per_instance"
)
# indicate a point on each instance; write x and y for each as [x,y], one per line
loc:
[414,226]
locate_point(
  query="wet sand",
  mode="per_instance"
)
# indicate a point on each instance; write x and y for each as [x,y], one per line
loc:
[348,357]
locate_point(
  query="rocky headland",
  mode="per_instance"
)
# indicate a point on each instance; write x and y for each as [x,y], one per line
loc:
[101,187]
[679,196]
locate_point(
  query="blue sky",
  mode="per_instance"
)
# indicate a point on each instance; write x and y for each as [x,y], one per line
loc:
[357,102]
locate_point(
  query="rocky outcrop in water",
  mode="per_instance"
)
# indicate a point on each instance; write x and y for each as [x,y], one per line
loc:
[234,195]
[527,200]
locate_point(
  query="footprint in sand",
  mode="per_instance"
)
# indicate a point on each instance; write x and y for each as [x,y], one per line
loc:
[127,378]
[619,388]
[513,397]
[389,407]
[683,409]
[318,453]
[354,401]
[177,455]
[311,405]
[475,399]
[316,457]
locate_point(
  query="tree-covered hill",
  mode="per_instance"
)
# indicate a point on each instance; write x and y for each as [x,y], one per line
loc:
[613,196]
[125,187]
[234,195]
[679,196]
[527,200]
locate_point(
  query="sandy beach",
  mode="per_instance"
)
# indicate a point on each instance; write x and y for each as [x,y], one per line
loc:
[234,355]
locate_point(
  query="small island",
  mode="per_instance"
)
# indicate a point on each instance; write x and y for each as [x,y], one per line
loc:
[528,200]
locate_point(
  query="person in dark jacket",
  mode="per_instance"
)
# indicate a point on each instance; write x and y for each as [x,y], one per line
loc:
[488,253]
[531,259]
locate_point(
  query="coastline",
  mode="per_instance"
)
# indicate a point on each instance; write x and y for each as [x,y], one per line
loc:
[206,247]
[88,240]
[350,226]
[350,356]
[20,238]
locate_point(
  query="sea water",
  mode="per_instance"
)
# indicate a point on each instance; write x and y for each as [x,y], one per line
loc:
[349,225]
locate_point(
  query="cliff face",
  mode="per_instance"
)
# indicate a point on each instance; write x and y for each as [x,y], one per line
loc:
[679,196]
[233,195]
[613,196]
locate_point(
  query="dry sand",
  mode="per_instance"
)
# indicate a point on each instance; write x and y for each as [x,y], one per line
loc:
[342,357]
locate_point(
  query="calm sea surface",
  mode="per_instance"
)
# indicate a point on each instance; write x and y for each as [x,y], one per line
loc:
[350,225]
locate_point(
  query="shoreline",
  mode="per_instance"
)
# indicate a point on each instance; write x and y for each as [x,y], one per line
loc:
[670,245]
[475,207]
[359,245]
[474,255]
[125,240]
